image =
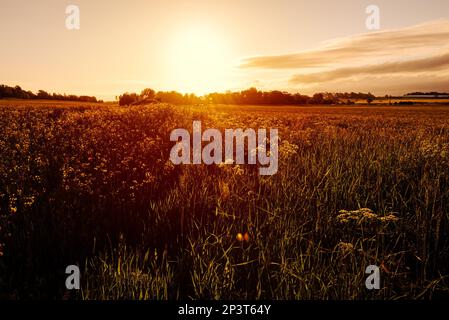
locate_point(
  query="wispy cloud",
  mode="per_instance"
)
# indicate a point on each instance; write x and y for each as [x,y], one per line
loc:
[418,65]
[422,37]
[399,57]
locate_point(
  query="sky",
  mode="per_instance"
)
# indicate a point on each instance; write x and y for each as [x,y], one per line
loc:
[207,46]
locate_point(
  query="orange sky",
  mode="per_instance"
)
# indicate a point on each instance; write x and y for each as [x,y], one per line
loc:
[203,46]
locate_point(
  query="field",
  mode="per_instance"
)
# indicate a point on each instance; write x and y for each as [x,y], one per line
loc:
[415,101]
[92,185]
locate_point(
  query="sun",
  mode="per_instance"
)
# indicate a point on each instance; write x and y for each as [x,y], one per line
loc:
[199,60]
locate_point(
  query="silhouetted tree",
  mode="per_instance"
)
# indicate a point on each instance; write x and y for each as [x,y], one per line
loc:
[245,97]
[147,94]
[41,94]
[317,98]
[128,98]
[18,93]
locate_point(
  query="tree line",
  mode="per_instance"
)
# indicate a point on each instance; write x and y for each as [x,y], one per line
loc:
[18,93]
[433,94]
[245,97]
[150,96]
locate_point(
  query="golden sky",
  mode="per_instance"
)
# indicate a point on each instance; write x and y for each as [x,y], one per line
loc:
[204,46]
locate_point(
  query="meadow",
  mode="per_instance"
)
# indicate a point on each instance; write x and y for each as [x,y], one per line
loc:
[92,185]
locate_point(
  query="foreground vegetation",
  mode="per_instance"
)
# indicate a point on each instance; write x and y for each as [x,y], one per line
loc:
[93,186]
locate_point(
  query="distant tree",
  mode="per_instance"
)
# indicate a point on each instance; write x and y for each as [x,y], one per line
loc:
[171,97]
[128,98]
[300,99]
[18,93]
[147,94]
[252,96]
[87,99]
[317,98]
[244,97]
[41,94]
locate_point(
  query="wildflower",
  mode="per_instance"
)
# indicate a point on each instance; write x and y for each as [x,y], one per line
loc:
[389,218]
[237,170]
[369,215]
[226,162]
[343,217]
[168,166]
[345,247]
[29,201]
[246,237]
[360,215]
[288,149]
[224,190]
[239,237]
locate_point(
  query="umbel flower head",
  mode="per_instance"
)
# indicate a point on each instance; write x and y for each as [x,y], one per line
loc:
[345,247]
[364,216]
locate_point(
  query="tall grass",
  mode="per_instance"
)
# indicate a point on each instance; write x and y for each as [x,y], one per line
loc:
[94,187]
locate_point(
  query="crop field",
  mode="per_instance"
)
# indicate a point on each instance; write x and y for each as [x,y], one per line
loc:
[92,185]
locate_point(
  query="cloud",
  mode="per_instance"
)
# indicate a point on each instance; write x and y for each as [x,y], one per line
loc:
[387,62]
[418,65]
[419,39]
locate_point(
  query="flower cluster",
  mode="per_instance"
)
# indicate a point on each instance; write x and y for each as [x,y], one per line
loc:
[364,216]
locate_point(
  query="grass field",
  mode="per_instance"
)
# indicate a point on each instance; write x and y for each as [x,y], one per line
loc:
[416,101]
[92,185]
